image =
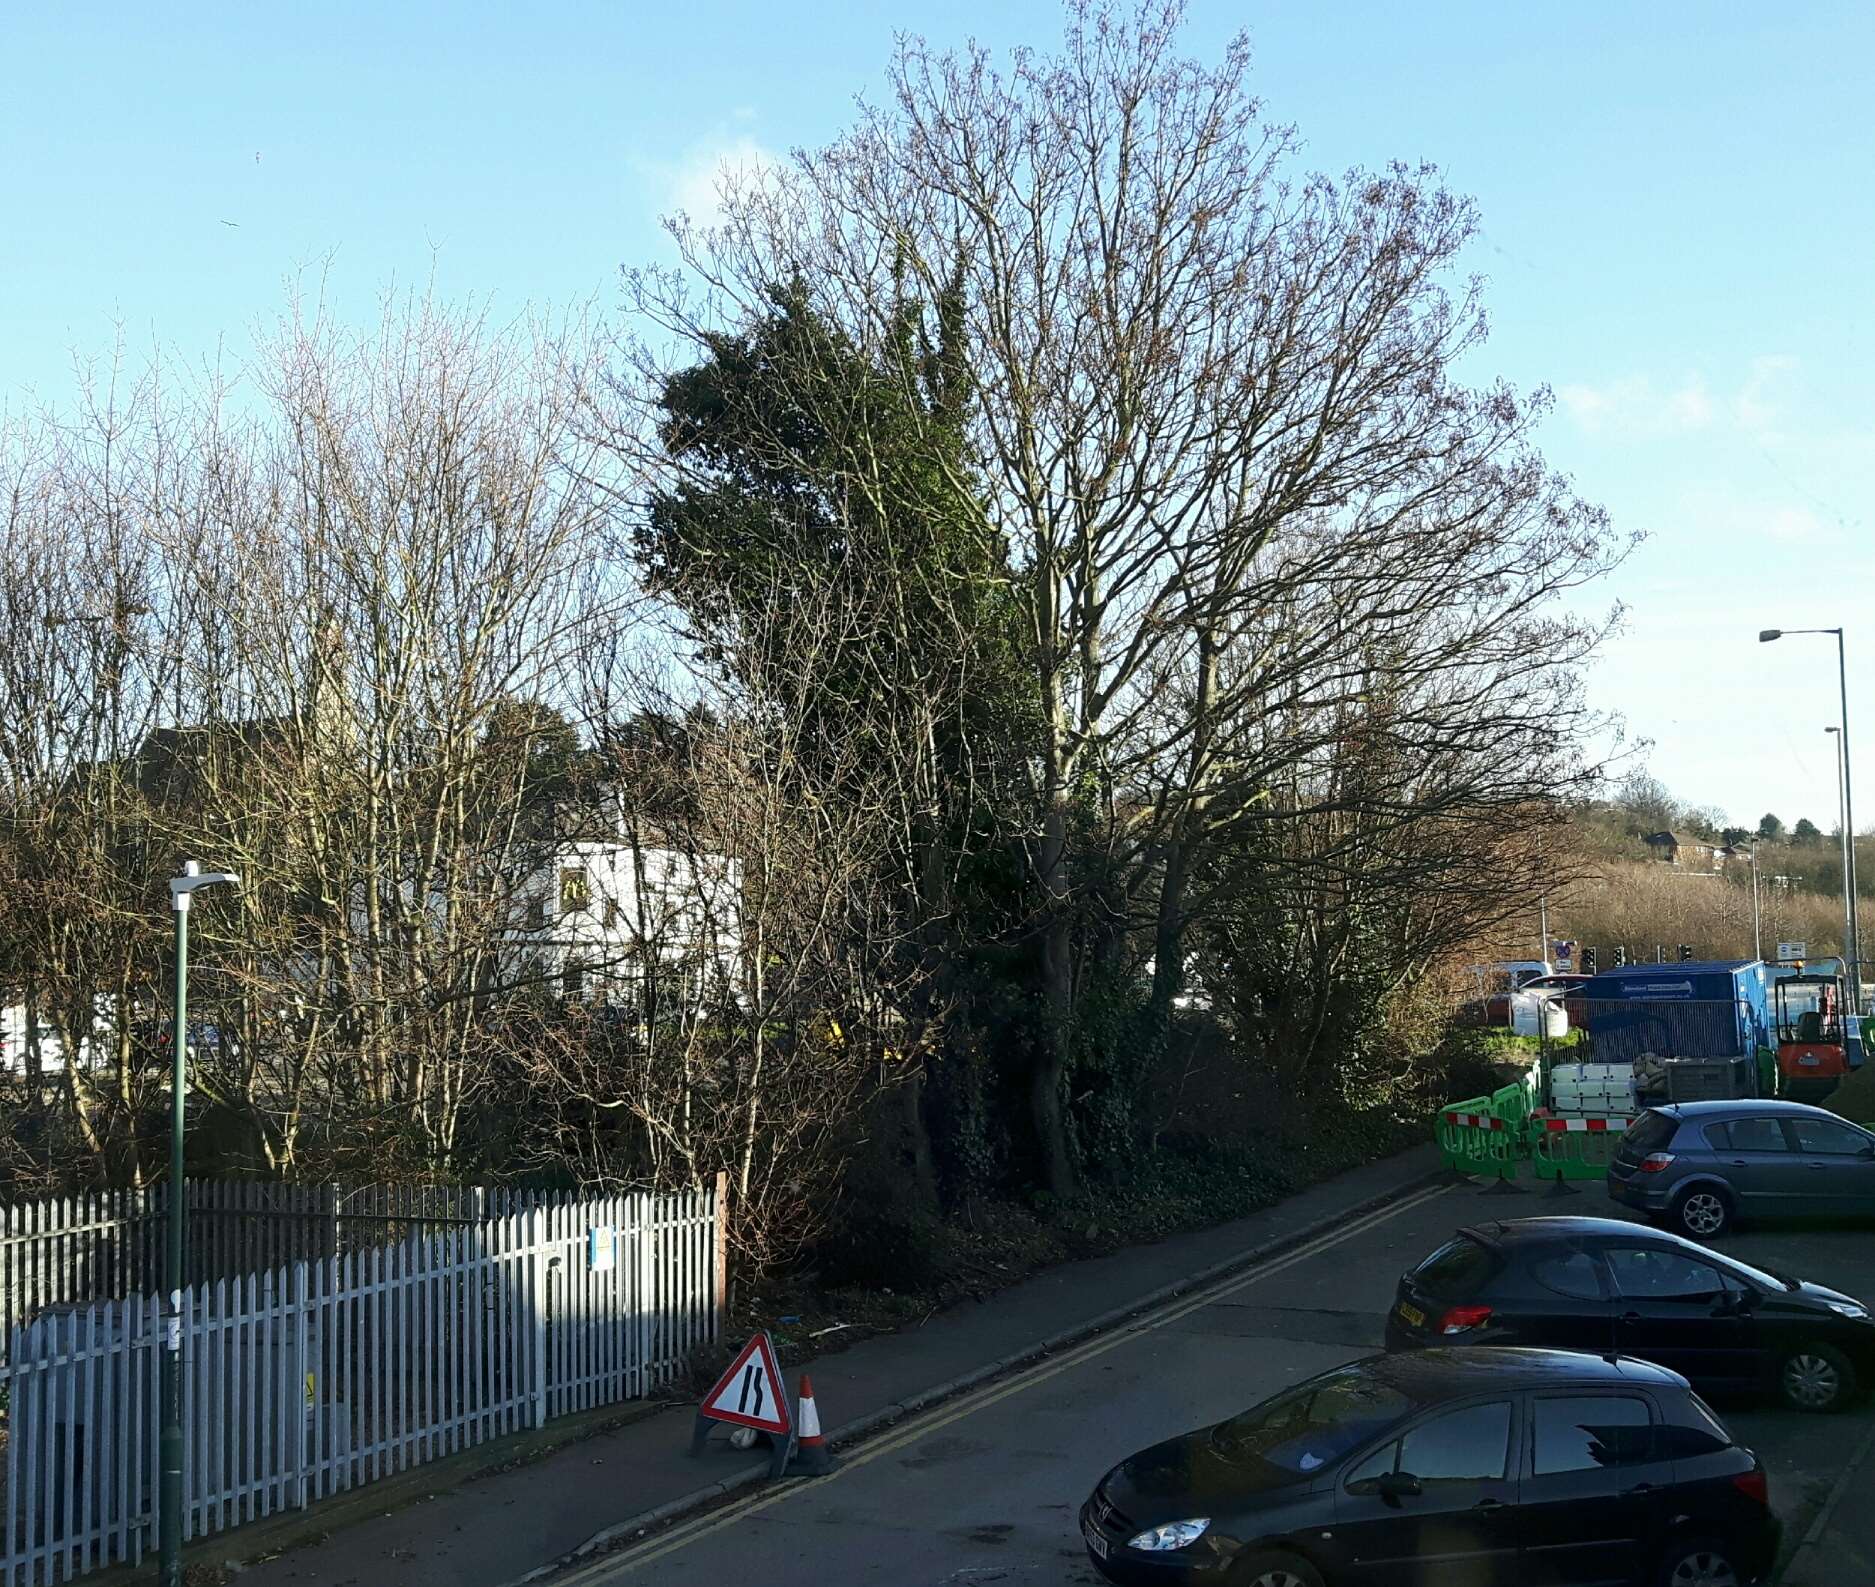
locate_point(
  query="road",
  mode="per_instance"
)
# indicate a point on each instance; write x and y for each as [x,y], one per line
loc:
[984,1490]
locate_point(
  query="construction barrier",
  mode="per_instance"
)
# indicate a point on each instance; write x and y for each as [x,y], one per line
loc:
[1573,1148]
[1474,1140]
[1515,1102]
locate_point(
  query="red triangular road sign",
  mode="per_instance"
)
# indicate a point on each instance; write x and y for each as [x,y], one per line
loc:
[750,1394]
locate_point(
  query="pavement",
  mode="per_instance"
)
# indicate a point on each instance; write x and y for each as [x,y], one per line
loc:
[500,1528]
[1839,1544]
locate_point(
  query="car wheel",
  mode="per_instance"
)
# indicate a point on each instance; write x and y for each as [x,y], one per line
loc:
[1816,1377]
[1702,1213]
[1699,1562]
[1276,1570]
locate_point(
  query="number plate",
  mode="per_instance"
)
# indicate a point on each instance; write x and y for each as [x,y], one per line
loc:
[1412,1316]
[1097,1545]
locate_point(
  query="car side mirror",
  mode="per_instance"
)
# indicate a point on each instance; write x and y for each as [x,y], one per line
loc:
[1868,1149]
[1398,1485]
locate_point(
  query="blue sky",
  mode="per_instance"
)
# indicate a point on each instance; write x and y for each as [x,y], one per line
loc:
[1678,239]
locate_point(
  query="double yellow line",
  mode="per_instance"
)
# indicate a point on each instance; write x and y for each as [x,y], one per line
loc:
[616,1566]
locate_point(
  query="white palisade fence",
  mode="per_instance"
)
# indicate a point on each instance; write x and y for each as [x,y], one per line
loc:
[325,1374]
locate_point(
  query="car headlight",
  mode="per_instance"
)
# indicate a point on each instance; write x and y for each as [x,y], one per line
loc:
[1847,1308]
[1174,1534]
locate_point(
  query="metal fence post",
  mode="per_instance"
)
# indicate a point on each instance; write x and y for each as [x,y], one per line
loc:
[300,1404]
[720,1307]
[537,1278]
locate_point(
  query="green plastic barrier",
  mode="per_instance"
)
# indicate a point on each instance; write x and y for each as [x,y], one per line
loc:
[1515,1102]
[1570,1149]
[1474,1139]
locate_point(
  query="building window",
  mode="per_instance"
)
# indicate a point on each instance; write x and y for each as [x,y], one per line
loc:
[536,913]
[575,890]
[572,979]
[611,913]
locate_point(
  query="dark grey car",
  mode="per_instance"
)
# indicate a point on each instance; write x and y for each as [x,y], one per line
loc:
[1700,1165]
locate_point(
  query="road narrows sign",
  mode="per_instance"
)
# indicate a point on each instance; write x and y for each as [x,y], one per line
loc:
[750,1394]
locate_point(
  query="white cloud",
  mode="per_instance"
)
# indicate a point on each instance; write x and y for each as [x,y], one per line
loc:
[1758,401]
[1793,523]
[695,182]
[1634,405]
[1638,406]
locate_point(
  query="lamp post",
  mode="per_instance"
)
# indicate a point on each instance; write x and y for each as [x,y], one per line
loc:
[1852,949]
[169,1515]
[1842,827]
[1757,936]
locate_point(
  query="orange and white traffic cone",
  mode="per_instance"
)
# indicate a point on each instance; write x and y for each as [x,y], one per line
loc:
[812,1458]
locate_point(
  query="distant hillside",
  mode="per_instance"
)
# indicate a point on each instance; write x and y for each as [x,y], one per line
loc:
[1643,904]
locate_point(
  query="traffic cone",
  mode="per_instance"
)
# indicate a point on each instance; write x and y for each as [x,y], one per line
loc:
[812,1458]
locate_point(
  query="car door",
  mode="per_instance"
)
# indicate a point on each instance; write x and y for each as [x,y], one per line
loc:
[1590,1471]
[1837,1164]
[1456,1527]
[1754,1156]
[1682,1313]
[1564,1299]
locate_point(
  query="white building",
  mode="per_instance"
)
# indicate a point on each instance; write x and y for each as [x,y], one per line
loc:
[600,913]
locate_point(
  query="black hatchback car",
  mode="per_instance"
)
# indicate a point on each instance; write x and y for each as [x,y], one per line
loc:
[1600,1285]
[1446,1468]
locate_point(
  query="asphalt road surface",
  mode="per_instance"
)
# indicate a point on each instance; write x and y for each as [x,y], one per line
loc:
[985,1490]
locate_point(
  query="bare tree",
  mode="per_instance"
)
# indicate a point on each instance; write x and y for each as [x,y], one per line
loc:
[1212,415]
[766,1000]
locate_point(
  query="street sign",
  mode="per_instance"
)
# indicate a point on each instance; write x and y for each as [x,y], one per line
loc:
[750,1394]
[601,1249]
[1792,950]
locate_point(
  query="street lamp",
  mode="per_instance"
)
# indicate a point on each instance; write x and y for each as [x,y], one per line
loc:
[1757,935]
[1853,947]
[1842,826]
[169,1529]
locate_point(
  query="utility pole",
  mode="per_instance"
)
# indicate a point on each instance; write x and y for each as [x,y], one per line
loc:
[169,1514]
[1542,944]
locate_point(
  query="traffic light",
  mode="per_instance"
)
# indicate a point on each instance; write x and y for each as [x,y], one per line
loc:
[1621,957]
[1686,954]
[1588,961]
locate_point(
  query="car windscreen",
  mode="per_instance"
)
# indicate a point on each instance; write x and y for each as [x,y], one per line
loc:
[1293,1436]
[1457,1270]
[1651,1132]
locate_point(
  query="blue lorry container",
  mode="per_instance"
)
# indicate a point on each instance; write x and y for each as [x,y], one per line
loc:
[1706,1009]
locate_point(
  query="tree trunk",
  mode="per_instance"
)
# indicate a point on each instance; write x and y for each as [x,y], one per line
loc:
[1051,1066]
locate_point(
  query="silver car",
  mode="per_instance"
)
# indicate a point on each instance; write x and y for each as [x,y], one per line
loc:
[1701,1165]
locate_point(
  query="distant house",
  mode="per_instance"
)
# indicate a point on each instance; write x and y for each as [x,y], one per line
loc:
[1672,848]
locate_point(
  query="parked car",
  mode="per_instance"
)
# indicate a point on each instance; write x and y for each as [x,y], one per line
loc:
[1602,1285]
[1446,1468]
[1702,1165]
